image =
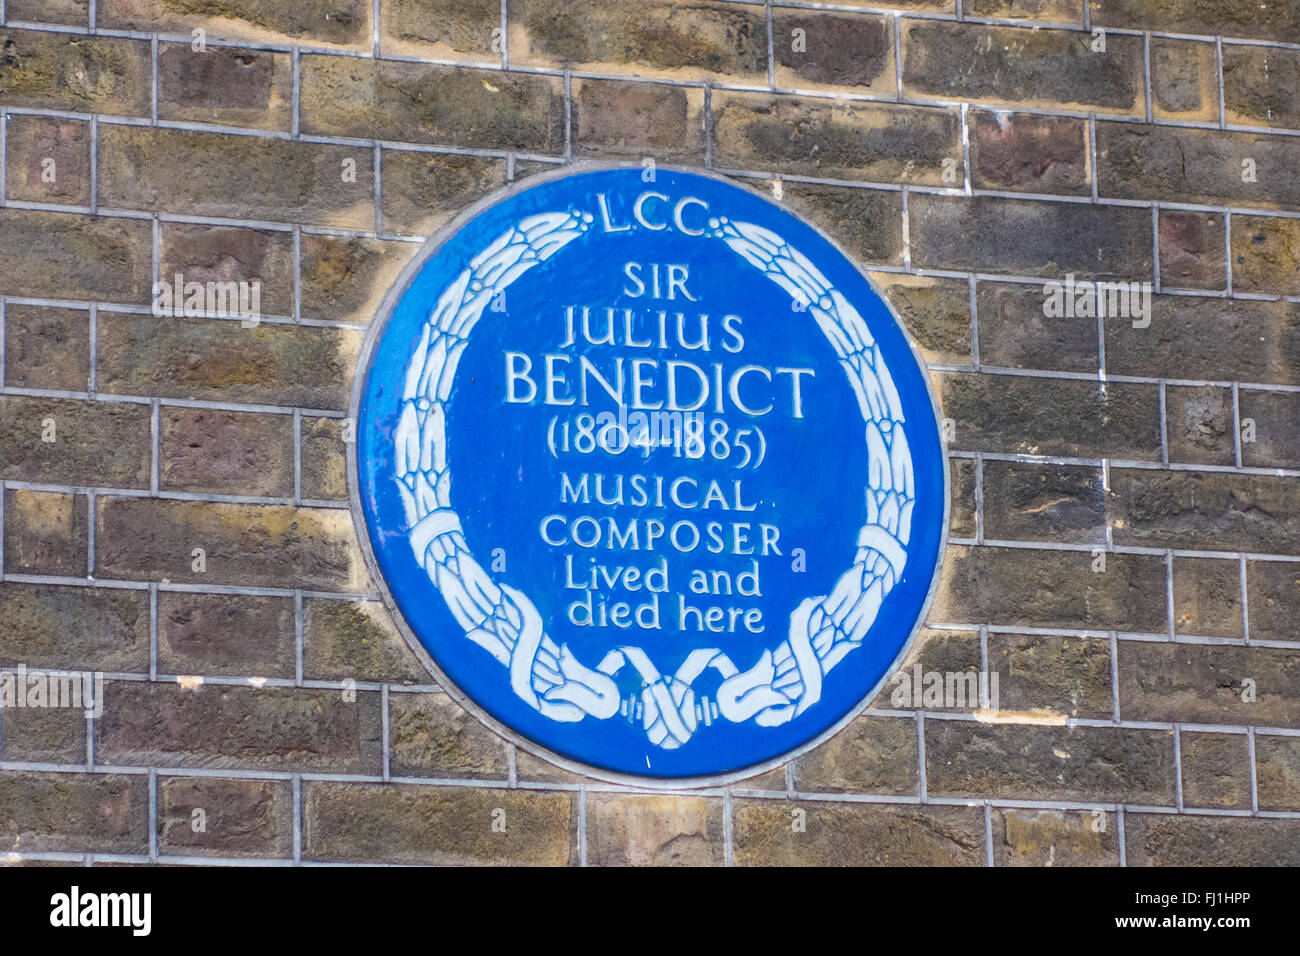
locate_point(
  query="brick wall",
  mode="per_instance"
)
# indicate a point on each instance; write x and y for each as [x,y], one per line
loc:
[966,155]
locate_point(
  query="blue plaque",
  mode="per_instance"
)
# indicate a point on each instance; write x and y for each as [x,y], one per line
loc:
[649,472]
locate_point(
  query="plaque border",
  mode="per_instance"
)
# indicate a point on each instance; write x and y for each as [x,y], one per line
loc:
[379,322]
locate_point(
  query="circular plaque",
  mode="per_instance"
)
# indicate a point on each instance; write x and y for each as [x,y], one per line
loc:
[649,472]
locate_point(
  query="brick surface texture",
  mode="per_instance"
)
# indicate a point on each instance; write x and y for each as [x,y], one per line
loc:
[1125,535]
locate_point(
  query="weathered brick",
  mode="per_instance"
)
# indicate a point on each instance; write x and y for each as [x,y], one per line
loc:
[1176,840]
[812,49]
[1067,676]
[1280,21]
[201,253]
[342,22]
[1199,424]
[238,177]
[1216,770]
[423,191]
[1205,683]
[441,825]
[237,453]
[872,755]
[531,769]
[347,279]
[991,234]
[618,119]
[75,72]
[433,736]
[832,138]
[1212,339]
[1015,332]
[45,532]
[356,640]
[1045,416]
[220,361]
[254,545]
[1011,65]
[1055,838]
[232,634]
[45,734]
[867,223]
[446,29]
[72,628]
[1272,421]
[219,816]
[67,441]
[1266,255]
[1051,589]
[1056,11]
[935,312]
[1184,80]
[624,830]
[66,256]
[1207,597]
[74,812]
[1212,511]
[1277,768]
[855,834]
[47,348]
[947,652]
[1029,152]
[422,103]
[49,11]
[1273,596]
[324,459]
[965,758]
[1192,250]
[1024,502]
[1259,85]
[961,511]
[281,728]
[698,40]
[1137,161]
[226,85]
[48,160]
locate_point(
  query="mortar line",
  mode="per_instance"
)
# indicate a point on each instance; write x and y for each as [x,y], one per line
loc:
[155,435]
[94,165]
[90,534]
[153,631]
[1092,155]
[512,766]
[374,28]
[974,323]
[1236,423]
[153,816]
[1114,678]
[1245,601]
[1169,593]
[298,642]
[297,456]
[378,174]
[153,79]
[907,234]
[4,306]
[771,44]
[568,117]
[1254,772]
[92,383]
[505,34]
[979,498]
[387,733]
[297,818]
[965,148]
[1119,834]
[728,839]
[1178,769]
[1164,426]
[988,834]
[1157,283]
[922,784]
[898,57]
[1218,69]
[582,826]
[708,126]
[1227,251]
[4,506]
[1146,69]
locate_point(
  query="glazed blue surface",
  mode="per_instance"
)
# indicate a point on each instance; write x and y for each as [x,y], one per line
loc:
[505,478]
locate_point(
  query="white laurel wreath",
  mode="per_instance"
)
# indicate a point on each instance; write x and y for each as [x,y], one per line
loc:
[785,681]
